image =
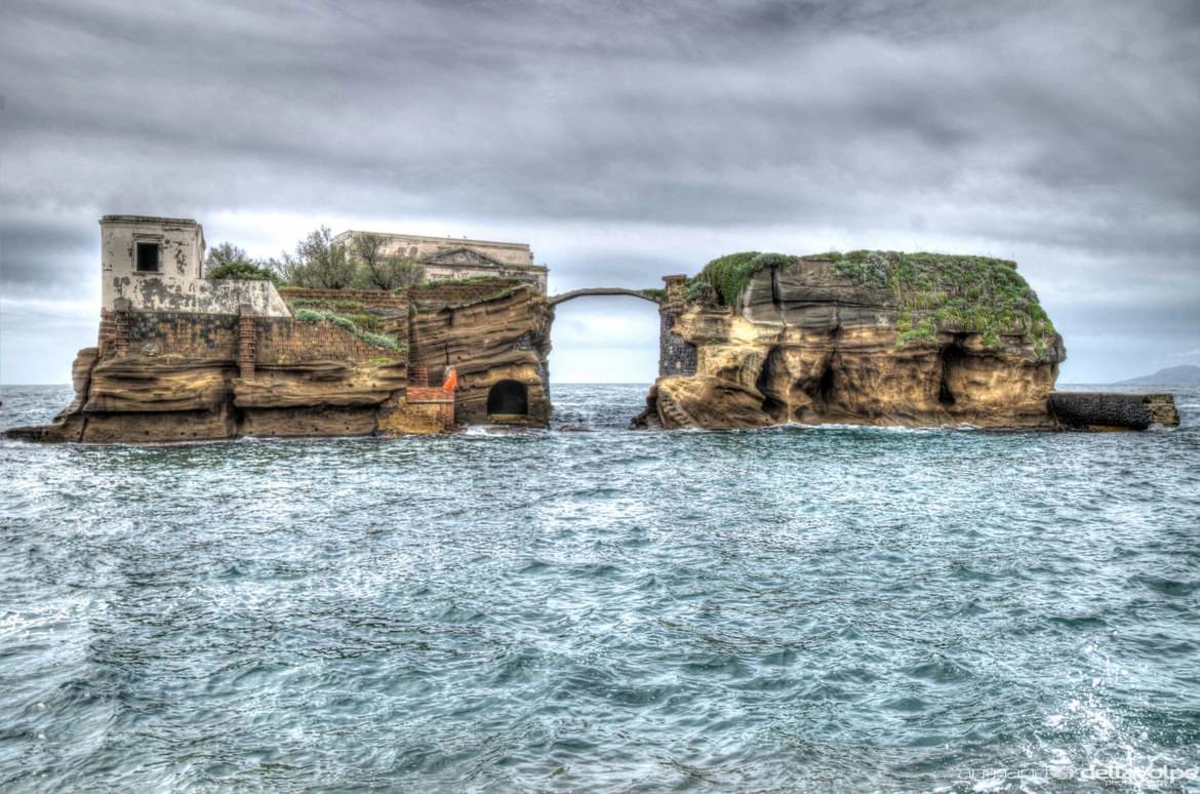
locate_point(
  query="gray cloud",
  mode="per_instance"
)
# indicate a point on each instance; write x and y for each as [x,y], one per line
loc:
[1063,135]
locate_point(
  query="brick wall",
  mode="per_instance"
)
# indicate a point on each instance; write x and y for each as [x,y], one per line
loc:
[106,338]
[276,340]
[211,336]
[460,293]
[285,341]
[434,401]
[370,298]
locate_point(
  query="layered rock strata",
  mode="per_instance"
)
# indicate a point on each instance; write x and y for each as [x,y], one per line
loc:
[501,335]
[874,338]
[177,376]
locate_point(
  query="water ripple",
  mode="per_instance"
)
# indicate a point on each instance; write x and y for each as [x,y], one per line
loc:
[800,609]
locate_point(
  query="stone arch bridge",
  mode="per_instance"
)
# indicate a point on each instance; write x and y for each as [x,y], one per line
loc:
[645,295]
[675,356]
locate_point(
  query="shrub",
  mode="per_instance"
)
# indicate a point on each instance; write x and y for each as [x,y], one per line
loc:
[943,292]
[348,325]
[699,291]
[242,271]
[348,305]
[728,275]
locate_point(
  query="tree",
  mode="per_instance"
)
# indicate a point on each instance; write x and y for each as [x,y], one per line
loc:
[243,271]
[319,263]
[224,254]
[378,270]
[228,261]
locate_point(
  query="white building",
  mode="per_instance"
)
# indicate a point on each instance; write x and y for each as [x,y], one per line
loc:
[448,258]
[157,264]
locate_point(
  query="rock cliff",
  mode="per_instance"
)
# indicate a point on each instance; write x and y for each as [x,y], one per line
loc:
[878,338]
[178,376]
[153,399]
[502,335]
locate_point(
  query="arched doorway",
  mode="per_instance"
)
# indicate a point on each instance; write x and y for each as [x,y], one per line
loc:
[508,398]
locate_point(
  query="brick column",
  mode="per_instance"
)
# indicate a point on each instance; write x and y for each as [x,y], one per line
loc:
[107,333]
[420,375]
[247,333]
[121,321]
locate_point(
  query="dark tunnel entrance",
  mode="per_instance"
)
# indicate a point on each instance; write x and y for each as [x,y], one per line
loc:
[508,398]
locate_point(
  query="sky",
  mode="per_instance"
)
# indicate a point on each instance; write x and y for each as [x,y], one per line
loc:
[624,141]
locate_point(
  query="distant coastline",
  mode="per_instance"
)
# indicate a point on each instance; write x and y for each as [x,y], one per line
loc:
[1184,375]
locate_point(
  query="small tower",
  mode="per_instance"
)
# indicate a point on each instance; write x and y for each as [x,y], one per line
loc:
[144,258]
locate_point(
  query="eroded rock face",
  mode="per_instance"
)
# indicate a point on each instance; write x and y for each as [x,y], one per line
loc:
[807,343]
[184,377]
[137,398]
[503,338]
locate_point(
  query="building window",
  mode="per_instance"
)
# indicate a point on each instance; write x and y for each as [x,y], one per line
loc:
[145,259]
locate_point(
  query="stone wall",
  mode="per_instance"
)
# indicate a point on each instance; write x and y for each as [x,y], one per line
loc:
[456,294]
[142,292]
[200,336]
[278,341]
[676,356]
[287,341]
[370,298]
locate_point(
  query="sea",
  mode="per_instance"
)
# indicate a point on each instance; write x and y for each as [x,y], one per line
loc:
[594,609]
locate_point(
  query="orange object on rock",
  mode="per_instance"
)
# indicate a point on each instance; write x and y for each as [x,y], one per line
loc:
[451,379]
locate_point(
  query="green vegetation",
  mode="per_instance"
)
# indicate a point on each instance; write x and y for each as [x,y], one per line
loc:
[932,292]
[325,304]
[376,269]
[462,282]
[350,309]
[699,291]
[349,325]
[228,261]
[943,292]
[242,271]
[728,275]
[654,293]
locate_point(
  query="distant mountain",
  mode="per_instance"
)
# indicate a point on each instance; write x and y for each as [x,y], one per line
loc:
[1186,375]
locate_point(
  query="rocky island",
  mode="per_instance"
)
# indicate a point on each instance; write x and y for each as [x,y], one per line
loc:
[871,337]
[867,337]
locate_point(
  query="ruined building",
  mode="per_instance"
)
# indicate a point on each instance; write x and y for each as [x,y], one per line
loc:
[445,258]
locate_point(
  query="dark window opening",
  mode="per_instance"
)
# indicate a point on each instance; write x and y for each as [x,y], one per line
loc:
[508,397]
[146,258]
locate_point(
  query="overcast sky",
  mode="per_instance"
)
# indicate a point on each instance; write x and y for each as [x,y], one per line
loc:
[624,141]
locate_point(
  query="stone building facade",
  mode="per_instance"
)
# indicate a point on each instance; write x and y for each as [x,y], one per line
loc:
[157,264]
[447,258]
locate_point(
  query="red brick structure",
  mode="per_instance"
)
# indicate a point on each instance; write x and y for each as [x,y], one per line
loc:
[247,335]
[121,322]
[443,399]
[108,332]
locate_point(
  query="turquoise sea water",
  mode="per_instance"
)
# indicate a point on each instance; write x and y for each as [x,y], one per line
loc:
[832,609]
